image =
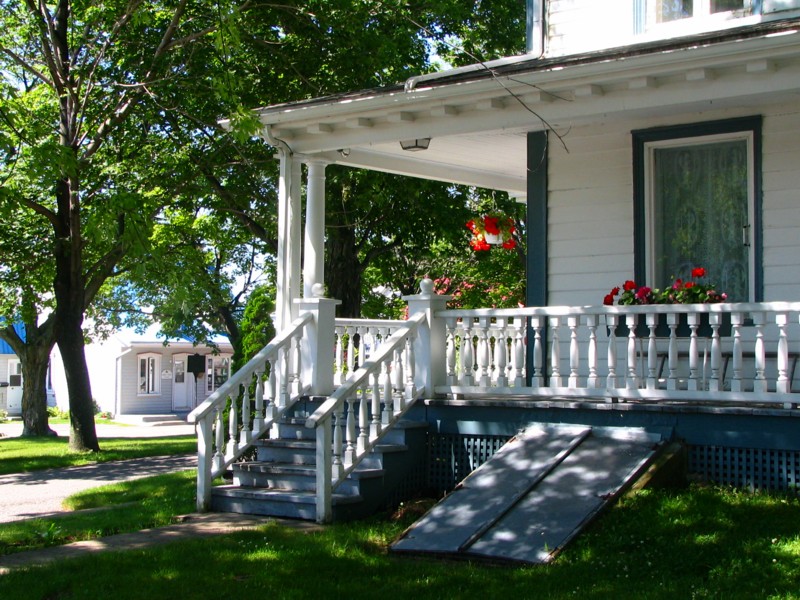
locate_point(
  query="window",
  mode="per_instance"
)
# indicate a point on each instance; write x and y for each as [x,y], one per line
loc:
[149,374]
[218,369]
[696,204]
[662,11]
[14,373]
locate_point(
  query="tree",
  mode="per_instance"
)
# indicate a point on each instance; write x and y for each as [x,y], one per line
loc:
[96,70]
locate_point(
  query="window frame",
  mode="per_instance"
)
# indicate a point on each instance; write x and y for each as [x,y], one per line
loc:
[156,387]
[210,379]
[677,135]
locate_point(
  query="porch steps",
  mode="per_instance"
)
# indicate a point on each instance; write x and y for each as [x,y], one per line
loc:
[534,495]
[281,481]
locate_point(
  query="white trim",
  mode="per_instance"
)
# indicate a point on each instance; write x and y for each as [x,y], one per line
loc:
[152,380]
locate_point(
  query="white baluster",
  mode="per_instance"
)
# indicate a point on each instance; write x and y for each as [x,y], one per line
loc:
[283,379]
[297,367]
[388,397]
[339,368]
[760,383]
[351,350]
[233,424]
[693,319]
[483,352]
[244,432]
[363,422]
[591,351]
[652,352]
[337,462]
[376,428]
[611,378]
[783,383]
[350,432]
[219,434]
[737,319]
[672,351]
[270,411]
[537,324]
[555,353]
[715,320]
[258,420]
[574,351]
[632,382]
[450,324]
[467,361]
[398,383]
[501,354]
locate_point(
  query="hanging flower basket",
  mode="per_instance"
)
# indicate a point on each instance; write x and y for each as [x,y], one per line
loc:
[493,230]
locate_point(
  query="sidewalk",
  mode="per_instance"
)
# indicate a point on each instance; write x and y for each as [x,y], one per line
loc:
[195,525]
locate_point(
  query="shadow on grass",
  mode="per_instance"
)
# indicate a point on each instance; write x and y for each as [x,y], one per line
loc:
[696,543]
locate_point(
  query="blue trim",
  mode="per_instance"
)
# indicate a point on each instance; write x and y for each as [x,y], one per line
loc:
[536,293]
[643,136]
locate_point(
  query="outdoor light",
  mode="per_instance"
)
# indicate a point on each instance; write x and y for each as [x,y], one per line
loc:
[415,145]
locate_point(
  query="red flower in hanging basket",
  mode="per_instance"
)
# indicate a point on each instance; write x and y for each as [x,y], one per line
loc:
[495,229]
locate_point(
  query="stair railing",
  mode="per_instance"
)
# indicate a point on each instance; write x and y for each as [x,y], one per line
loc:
[363,409]
[272,379]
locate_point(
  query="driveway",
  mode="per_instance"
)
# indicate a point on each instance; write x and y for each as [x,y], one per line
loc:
[40,493]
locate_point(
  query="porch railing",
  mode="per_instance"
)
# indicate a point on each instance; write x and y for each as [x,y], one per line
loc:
[272,381]
[731,352]
[364,408]
[356,339]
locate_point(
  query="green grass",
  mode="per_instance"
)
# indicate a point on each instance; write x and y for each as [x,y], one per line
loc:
[20,455]
[126,506]
[696,543]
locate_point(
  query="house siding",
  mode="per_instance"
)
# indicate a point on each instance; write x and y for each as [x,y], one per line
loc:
[590,206]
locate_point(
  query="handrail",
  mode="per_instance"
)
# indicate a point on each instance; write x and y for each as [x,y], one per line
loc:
[242,375]
[368,368]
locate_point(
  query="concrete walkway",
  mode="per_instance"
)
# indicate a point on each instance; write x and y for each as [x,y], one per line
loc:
[192,526]
[39,494]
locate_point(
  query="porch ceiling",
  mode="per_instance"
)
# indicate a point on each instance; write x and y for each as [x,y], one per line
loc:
[478,123]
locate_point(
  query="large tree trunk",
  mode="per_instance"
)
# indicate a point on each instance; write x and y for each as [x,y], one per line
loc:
[343,271]
[34,357]
[82,435]
[35,361]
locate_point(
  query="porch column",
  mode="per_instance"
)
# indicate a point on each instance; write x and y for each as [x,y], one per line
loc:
[314,250]
[430,346]
[288,278]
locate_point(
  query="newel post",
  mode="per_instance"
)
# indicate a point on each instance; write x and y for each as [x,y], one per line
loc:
[318,343]
[430,345]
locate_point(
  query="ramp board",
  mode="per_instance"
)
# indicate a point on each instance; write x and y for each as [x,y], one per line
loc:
[533,495]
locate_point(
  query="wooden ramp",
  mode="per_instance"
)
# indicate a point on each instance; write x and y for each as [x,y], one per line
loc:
[534,495]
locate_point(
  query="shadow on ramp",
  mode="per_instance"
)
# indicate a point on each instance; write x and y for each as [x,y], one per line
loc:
[534,495]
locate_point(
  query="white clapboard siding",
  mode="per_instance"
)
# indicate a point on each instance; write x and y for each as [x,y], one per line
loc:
[574,25]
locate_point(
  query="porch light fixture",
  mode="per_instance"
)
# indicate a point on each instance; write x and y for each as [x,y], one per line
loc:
[415,145]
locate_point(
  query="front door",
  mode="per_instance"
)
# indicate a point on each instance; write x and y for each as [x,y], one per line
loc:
[14,396]
[182,397]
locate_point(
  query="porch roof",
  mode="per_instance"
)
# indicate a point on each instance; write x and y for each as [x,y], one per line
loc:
[477,117]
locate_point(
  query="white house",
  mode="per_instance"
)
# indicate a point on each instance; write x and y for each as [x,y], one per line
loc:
[647,137]
[141,373]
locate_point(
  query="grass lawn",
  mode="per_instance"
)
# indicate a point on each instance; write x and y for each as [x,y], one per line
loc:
[702,542]
[20,455]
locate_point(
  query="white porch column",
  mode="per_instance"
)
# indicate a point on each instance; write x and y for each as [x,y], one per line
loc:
[430,346]
[314,251]
[288,283]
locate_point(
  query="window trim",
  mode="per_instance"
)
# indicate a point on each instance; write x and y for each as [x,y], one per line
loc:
[643,138]
[212,358]
[156,373]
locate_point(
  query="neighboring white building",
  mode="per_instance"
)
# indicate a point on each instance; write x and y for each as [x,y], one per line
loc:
[138,374]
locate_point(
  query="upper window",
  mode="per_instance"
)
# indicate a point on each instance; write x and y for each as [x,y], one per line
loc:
[661,11]
[149,370]
[697,205]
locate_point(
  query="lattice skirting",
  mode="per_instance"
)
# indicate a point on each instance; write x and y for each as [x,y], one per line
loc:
[753,468]
[451,457]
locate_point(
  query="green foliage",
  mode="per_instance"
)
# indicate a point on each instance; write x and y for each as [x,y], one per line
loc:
[256,327]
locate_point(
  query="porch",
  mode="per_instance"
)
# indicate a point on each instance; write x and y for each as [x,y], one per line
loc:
[337,395]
